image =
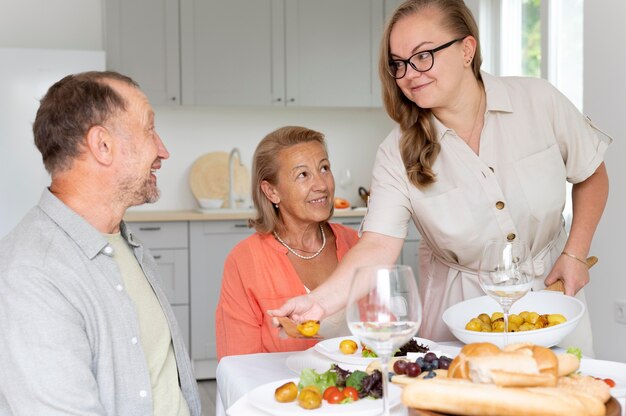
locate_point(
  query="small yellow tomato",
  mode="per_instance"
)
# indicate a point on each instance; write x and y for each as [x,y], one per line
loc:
[310,398]
[286,393]
[309,328]
[347,346]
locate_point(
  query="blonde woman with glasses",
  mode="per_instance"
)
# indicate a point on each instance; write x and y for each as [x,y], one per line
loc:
[474,157]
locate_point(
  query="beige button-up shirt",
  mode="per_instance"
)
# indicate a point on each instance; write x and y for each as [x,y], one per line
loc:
[533,140]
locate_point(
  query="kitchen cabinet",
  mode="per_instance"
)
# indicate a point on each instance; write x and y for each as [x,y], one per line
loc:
[142,41]
[210,242]
[168,243]
[283,53]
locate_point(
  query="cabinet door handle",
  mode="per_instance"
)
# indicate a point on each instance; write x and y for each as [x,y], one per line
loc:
[351,223]
[278,100]
[149,228]
[292,100]
[157,257]
[241,225]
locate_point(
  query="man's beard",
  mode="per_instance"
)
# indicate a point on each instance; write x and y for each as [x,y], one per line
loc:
[146,193]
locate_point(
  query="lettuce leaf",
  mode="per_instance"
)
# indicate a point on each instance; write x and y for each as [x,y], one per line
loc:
[575,351]
[309,377]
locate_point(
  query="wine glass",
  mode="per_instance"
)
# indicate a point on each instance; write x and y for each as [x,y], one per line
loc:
[506,273]
[384,312]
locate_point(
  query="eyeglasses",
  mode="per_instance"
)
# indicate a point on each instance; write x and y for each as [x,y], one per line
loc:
[421,61]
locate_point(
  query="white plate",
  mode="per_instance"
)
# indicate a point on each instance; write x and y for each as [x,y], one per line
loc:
[262,398]
[330,349]
[314,360]
[607,369]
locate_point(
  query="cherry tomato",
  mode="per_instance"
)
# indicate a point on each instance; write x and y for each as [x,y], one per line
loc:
[610,382]
[329,391]
[336,397]
[351,392]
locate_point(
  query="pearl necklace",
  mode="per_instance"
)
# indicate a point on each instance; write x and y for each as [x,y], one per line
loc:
[317,253]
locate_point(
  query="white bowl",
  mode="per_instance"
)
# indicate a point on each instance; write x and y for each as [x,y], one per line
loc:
[542,302]
[207,203]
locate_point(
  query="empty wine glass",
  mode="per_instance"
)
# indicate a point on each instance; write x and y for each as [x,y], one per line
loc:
[506,273]
[384,312]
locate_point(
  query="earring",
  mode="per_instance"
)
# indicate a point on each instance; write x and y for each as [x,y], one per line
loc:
[276,205]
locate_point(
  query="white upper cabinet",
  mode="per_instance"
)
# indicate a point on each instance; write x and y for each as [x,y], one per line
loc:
[319,53]
[312,53]
[142,42]
[230,50]
[331,52]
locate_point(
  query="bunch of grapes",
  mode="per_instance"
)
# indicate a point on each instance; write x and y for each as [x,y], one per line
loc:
[429,362]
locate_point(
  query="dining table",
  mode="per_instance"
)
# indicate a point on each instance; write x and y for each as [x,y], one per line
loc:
[239,375]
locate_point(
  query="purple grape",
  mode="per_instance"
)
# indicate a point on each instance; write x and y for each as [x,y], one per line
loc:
[413,370]
[399,367]
[430,356]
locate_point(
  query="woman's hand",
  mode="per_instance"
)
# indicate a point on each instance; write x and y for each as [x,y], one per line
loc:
[300,309]
[573,274]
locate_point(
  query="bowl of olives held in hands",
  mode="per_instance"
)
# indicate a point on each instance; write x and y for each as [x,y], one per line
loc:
[542,318]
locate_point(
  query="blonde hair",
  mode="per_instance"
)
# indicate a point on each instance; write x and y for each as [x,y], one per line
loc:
[265,166]
[419,146]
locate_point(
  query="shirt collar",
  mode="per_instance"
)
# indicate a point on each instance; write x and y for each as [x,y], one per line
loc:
[86,237]
[498,100]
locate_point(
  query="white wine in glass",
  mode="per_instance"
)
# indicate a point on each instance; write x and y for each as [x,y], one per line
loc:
[384,311]
[506,274]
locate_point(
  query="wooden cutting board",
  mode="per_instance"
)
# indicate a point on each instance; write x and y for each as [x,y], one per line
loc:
[208,177]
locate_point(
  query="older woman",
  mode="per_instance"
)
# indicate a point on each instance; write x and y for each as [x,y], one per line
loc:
[294,250]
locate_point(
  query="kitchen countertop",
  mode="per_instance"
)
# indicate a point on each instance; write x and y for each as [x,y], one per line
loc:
[216,214]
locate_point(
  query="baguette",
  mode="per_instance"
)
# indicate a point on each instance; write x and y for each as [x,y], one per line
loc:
[462,397]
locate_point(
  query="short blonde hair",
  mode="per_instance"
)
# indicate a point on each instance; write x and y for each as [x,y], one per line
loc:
[265,167]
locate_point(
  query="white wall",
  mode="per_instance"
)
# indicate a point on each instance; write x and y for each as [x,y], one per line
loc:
[604,101]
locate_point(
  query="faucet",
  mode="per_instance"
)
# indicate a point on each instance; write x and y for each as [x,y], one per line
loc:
[231,177]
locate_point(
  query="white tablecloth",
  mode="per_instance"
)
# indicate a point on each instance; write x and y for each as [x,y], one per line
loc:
[237,375]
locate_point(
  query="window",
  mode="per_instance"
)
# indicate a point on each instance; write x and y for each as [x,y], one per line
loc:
[537,38]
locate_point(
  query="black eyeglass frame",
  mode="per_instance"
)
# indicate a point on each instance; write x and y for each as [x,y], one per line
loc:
[408,62]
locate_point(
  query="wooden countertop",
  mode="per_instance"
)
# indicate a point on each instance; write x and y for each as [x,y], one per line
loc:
[216,215]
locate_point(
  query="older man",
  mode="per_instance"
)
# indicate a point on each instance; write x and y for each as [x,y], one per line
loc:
[84,327]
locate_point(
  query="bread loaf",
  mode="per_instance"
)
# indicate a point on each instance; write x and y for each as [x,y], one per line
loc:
[462,397]
[526,366]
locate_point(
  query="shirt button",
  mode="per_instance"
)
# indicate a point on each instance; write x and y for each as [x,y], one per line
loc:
[143,393]
[133,340]
[510,236]
[119,288]
[108,250]
[499,204]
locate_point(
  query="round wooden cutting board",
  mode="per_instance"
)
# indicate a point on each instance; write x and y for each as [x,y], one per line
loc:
[208,177]
[612,409]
